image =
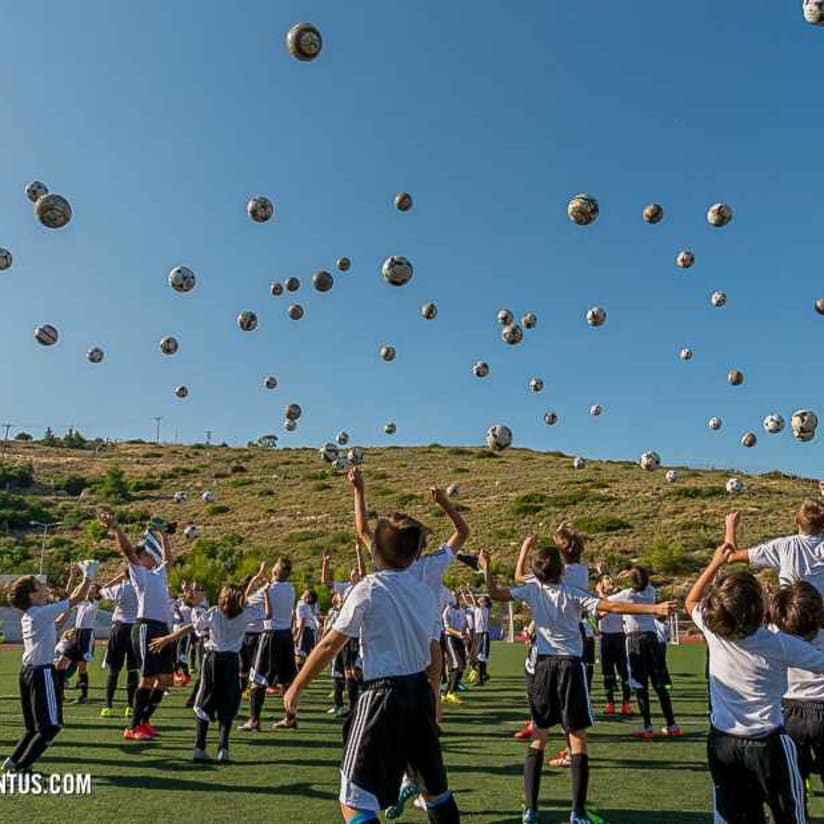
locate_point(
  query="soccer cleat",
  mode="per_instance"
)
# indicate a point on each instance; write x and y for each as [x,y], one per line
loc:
[462,687]
[451,698]
[107,712]
[332,711]
[407,791]
[561,760]
[177,678]
[626,708]
[472,676]
[223,756]
[81,699]
[9,766]
[672,731]
[341,711]
[529,817]
[645,733]
[185,680]
[250,726]
[148,729]
[609,709]
[525,733]
[200,755]
[135,734]
[286,723]
[127,712]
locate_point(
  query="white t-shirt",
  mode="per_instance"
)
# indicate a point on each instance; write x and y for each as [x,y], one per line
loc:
[470,618]
[748,677]
[281,596]
[794,557]
[481,619]
[662,630]
[342,588]
[152,591]
[125,602]
[86,614]
[40,633]
[454,618]
[637,623]
[305,613]
[391,612]
[611,623]
[221,634]
[255,606]
[577,575]
[181,613]
[803,685]
[557,610]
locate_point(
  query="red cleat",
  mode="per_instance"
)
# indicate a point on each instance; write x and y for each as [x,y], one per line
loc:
[645,733]
[672,732]
[525,733]
[609,709]
[147,729]
[135,734]
[185,680]
[561,760]
[626,708]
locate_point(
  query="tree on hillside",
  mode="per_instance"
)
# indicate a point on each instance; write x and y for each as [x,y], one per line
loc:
[113,487]
[49,438]
[265,442]
[23,436]
[74,440]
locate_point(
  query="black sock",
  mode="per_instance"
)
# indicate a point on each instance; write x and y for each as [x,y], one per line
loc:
[141,700]
[666,705]
[580,783]
[590,669]
[37,746]
[482,670]
[532,777]
[339,685]
[256,699]
[111,686]
[224,729]
[202,731]
[610,691]
[22,745]
[155,698]
[643,705]
[626,691]
[193,694]
[454,680]
[352,690]
[83,683]
[132,680]
[445,813]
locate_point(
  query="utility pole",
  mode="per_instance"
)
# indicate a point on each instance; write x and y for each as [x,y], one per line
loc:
[157,419]
[7,427]
[208,437]
[45,527]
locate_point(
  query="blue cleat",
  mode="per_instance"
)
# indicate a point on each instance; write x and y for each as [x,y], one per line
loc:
[396,810]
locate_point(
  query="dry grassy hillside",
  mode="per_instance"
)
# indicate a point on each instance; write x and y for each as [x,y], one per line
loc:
[288,501]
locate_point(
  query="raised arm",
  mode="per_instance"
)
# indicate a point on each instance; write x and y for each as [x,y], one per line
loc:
[699,588]
[325,572]
[124,546]
[460,532]
[520,567]
[359,563]
[166,550]
[737,556]
[254,582]
[364,533]
[80,592]
[496,593]
[662,610]
[113,582]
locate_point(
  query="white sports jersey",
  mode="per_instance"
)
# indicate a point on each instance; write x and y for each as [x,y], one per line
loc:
[454,618]
[794,557]
[86,614]
[391,612]
[255,604]
[125,602]
[662,630]
[470,618]
[152,591]
[221,634]
[40,633]
[181,613]
[342,588]
[611,623]
[803,685]
[577,575]
[481,618]
[557,610]
[748,677]
[281,596]
[637,623]
[304,612]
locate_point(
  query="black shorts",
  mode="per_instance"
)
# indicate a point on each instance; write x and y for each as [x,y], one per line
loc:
[307,642]
[558,694]
[455,654]
[748,773]
[81,647]
[182,649]
[613,651]
[644,661]
[274,659]
[219,690]
[40,699]
[483,646]
[152,663]
[351,654]
[120,648]
[391,732]
[804,722]
[248,650]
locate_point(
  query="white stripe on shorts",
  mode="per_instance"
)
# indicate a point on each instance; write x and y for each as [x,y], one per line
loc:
[51,698]
[365,702]
[796,785]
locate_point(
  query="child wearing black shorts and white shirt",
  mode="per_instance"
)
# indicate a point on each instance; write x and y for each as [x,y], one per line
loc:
[120,650]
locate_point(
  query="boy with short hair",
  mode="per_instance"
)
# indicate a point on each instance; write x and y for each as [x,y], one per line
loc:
[120,650]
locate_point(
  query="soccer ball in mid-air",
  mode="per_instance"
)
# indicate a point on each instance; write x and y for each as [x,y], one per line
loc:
[388,353]
[498,437]
[182,392]
[355,456]
[290,425]
[322,281]
[292,284]
[329,452]
[685,353]
[304,42]
[168,345]
[672,476]
[190,532]
[550,418]
[583,209]
[814,12]
[735,377]
[396,270]
[95,355]
[715,423]
[529,320]
[270,382]
[208,497]
[182,279]
[247,321]
[453,490]
[749,439]
[719,214]
[403,201]
[650,461]
[653,213]
[5,259]
[276,288]
[685,259]
[53,211]
[735,486]
[480,369]
[774,423]
[342,438]
[292,412]
[390,428]
[512,334]
[429,311]
[35,190]
[180,496]
[260,209]
[536,385]
[341,464]
[596,316]
[295,311]
[342,264]
[579,463]
[595,410]
[804,423]
[46,335]
[718,299]
[819,306]
[505,317]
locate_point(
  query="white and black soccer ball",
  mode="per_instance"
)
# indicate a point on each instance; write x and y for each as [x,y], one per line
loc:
[804,423]
[95,355]
[247,321]
[749,440]
[304,42]
[208,497]
[735,377]
[550,418]
[276,288]
[322,281]
[403,201]
[355,456]
[579,463]
[182,279]
[685,353]
[342,264]
[536,385]
[46,335]
[505,317]
[292,412]
[595,410]
[774,423]
[182,392]
[292,284]
[650,461]
[35,190]
[735,486]
[453,490]
[429,311]
[480,369]
[390,428]
[180,496]
[295,311]
[813,11]
[341,464]
[685,259]
[719,214]
[583,209]
[529,320]
[512,334]
[718,299]
[270,382]
[672,476]
[190,532]
[260,208]
[53,211]
[396,270]
[168,345]
[388,353]
[819,306]
[596,316]
[715,423]
[5,260]
[653,213]
[498,437]
[342,438]
[290,425]
[329,452]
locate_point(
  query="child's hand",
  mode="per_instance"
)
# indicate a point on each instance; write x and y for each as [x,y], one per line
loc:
[158,643]
[732,520]
[355,477]
[666,608]
[483,560]
[722,555]
[530,542]
[106,518]
[438,496]
[290,701]
[326,556]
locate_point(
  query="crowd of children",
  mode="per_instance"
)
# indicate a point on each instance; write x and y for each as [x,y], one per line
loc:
[399,643]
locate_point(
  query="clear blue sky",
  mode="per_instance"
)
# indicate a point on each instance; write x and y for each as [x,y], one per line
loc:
[158,120]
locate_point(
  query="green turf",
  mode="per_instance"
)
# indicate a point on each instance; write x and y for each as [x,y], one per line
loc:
[293,777]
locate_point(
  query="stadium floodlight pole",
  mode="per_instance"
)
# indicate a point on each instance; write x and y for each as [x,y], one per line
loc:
[45,528]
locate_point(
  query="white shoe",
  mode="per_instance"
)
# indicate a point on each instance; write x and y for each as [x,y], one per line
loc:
[223,756]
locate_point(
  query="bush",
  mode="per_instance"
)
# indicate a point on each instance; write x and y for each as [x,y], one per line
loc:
[217,509]
[236,469]
[73,484]
[113,487]
[144,484]
[23,436]
[94,530]
[240,482]
[16,511]
[16,477]
[592,525]
[530,503]
[697,492]
[49,438]
[665,556]
[74,440]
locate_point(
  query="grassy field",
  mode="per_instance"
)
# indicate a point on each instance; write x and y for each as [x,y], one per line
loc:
[286,777]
